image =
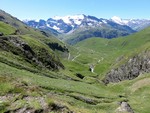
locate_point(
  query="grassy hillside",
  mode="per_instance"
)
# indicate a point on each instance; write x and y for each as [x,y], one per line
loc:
[6,29]
[105,31]
[40,74]
[114,52]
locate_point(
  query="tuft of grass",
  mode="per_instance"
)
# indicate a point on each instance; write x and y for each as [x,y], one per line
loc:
[18,104]
[5,85]
[6,29]
[34,104]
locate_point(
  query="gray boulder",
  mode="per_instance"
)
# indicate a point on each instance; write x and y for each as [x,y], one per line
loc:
[1,34]
[124,108]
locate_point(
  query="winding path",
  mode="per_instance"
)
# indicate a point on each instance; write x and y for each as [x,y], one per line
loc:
[76,57]
[69,56]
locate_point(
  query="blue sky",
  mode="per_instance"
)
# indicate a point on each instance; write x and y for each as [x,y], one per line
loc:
[44,9]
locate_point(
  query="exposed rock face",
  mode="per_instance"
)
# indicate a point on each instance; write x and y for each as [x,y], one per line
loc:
[42,58]
[1,18]
[1,34]
[44,106]
[124,108]
[56,46]
[133,68]
[79,75]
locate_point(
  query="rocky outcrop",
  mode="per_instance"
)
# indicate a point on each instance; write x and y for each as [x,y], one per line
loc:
[43,105]
[1,34]
[124,108]
[133,68]
[80,75]
[39,58]
[56,46]
[1,18]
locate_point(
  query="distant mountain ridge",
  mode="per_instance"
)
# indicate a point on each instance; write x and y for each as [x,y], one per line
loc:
[67,24]
[76,28]
[135,24]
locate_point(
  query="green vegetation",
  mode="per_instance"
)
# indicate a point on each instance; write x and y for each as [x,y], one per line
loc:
[89,32]
[112,52]
[39,73]
[6,28]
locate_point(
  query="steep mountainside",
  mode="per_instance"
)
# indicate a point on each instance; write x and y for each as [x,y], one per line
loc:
[133,68]
[33,46]
[103,32]
[126,58]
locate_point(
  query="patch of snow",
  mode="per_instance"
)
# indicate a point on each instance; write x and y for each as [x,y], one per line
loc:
[48,25]
[52,21]
[104,21]
[67,19]
[37,20]
[78,22]
[125,22]
[91,20]
[55,27]
[90,24]
[72,25]
[117,20]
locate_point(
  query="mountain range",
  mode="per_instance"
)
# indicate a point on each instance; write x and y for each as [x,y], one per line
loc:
[68,24]
[73,29]
[135,24]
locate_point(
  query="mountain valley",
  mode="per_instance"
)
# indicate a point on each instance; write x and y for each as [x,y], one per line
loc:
[74,64]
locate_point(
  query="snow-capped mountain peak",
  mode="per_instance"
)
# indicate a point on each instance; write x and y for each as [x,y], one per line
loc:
[120,21]
[68,24]
[68,19]
[117,19]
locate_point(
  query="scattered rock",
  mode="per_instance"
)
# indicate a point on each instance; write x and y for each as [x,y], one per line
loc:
[60,108]
[56,46]
[16,107]
[8,97]
[92,68]
[124,107]
[17,32]
[1,34]
[1,18]
[79,75]
[45,33]
[22,110]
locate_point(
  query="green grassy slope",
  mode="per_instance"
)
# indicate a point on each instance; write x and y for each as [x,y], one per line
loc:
[112,52]
[77,96]
[104,31]
[11,25]
[6,29]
